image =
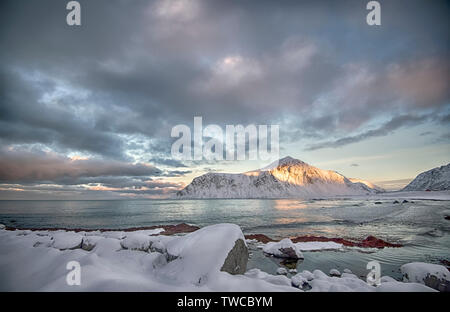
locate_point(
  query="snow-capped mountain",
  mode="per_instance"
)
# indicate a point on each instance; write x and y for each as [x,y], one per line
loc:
[286,178]
[437,179]
[368,184]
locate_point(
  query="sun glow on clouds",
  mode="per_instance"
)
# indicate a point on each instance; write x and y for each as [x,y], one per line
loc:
[177,9]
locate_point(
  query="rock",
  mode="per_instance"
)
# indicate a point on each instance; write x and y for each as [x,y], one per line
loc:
[432,275]
[206,254]
[282,271]
[67,240]
[260,238]
[298,280]
[378,202]
[2,226]
[136,241]
[237,258]
[348,271]
[283,249]
[334,272]
[396,202]
[292,270]
[405,201]
[373,242]
[89,242]
[447,217]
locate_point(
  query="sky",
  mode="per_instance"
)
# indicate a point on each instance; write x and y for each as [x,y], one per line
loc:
[86,111]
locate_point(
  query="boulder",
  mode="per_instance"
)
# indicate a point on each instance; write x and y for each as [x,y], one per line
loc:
[282,271]
[67,240]
[203,254]
[283,249]
[334,272]
[432,275]
[237,258]
[136,241]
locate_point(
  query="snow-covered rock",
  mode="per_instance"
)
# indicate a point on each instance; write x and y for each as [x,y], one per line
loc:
[283,249]
[67,240]
[437,179]
[89,242]
[136,241]
[298,280]
[286,178]
[282,271]
[202,254]
[432,275]
[199,259]
[335,272]
[2,226]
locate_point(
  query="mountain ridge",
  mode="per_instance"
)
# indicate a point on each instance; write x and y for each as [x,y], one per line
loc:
[436,179]
[286,178]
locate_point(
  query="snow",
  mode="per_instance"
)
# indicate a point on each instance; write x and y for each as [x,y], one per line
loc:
[436,179]
[313,246]
[298,280]
[335,272]
[36,261]
[274,248]
[419,272]
[409,195]
[403,287]
[67,240]
[280,280]
[282,271]
[201,254]
[283,249]
[136,241]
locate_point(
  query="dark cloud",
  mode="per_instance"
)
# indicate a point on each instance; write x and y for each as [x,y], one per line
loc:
[168,162]
[113,88]
[384,129]
[23,166]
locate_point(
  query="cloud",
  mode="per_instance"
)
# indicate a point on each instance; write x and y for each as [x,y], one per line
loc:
[385,129]
[113,88]
[23,166]
[168,162]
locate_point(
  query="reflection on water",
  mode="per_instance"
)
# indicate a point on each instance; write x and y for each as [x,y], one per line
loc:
[288,204]
[420,226]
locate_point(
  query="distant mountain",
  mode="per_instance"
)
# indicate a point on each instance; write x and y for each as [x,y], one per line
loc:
[368,184]
[287,178]
[437,179]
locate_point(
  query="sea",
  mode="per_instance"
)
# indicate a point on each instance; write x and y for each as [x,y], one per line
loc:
[419,225]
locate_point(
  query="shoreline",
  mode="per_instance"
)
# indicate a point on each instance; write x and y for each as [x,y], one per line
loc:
[184,228]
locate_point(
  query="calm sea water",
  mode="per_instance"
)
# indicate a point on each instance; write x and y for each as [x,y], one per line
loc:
[419,225]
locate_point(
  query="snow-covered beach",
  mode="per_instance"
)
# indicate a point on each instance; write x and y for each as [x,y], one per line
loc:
[209,259]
